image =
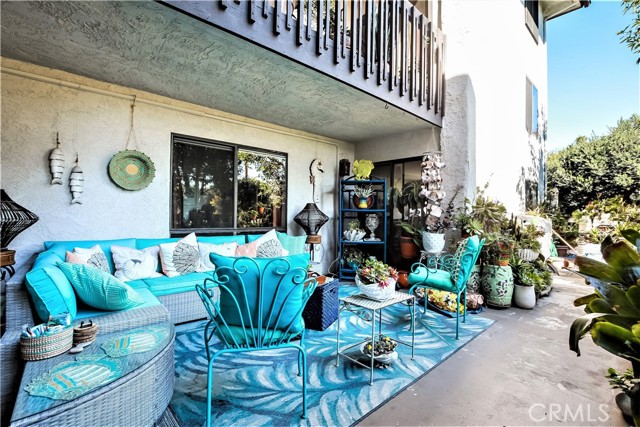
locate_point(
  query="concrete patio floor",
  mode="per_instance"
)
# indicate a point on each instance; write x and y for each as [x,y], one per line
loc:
[518,372]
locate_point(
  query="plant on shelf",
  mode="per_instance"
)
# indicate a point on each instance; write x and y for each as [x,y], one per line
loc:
[354,232]
[363,191]
[362,169]
[377,273]
[383,345]
[353,257]
[613,311]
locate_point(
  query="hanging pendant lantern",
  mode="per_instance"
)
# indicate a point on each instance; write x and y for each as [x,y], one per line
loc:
[311,219]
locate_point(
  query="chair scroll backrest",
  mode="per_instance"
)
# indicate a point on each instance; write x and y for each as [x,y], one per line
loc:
[467,255]
[260,301]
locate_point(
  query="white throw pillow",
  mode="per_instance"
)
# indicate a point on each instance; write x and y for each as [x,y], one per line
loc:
[93,256]
[266,246]
[181,257]
[134,264]
[226,249]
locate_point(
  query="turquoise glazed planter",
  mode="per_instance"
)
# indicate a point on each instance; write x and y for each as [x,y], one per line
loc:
[497,285]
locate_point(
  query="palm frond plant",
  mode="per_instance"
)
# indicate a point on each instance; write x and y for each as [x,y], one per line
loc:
[613,310]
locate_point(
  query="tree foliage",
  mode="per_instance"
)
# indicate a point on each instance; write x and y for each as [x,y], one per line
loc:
[630,35]
[598,167]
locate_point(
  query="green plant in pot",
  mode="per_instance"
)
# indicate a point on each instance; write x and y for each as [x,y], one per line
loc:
[353,257]
[363,196]
[525,278]
[410,205]
[526,242]
[613,310]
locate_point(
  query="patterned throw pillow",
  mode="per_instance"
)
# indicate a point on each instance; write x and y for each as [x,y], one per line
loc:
[457,257]
[181,257]
[99,289]
[266,246]
[226,249]
[134,264]
[93,256]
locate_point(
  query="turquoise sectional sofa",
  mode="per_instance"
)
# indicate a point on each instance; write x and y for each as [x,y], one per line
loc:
[47,289]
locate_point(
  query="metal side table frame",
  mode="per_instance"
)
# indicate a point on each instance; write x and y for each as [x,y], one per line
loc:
[366,309]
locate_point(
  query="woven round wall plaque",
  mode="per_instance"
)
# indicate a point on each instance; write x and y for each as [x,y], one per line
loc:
[131,170]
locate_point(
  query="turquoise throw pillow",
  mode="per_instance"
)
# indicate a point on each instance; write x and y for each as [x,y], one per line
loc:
[293,244]
[98,288]
[288,299]
[50,292]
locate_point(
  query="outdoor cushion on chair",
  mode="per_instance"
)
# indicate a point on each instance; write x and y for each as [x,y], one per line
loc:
[451,275]
[259,308]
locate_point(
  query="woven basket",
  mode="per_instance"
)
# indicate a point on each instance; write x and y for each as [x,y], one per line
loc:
[46,346]
[322,308]
[85,332]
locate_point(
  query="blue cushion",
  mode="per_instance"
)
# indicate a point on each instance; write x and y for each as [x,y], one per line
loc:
[147,243]
[98,288]
[60,247]
[289,298]
[149,299]
[51,292]
[241,240]
[137,284]
[438,279]
[293,244]
[171,285]
[251,237]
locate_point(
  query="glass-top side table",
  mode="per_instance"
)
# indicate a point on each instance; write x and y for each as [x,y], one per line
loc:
[367,309]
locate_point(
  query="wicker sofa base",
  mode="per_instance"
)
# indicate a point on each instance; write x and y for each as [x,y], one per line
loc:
[120,402]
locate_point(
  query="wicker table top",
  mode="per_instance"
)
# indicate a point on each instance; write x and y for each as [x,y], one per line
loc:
[109,350]
[362,301]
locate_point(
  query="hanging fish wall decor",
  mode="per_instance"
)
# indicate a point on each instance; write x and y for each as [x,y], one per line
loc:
[76,183]
[56,163]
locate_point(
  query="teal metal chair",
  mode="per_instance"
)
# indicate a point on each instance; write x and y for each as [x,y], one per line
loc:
[259,307]
[448,273]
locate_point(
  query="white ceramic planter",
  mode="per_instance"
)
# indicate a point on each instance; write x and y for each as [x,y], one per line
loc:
[433,242]
[354,235]
[524,296]
[375,292]
[528,255]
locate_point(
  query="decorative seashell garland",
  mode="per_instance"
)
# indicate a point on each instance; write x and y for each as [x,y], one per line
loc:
[76,183]
[56,163]
[432,189]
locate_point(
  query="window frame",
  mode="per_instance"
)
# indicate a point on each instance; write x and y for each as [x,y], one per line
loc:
[235,148]
[533,23]
[532,110]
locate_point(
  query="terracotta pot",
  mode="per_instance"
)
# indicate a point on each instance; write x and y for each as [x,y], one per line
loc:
[408,248]
[403,279]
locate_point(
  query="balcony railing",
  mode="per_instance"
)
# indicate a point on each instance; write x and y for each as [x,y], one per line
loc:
[385,48]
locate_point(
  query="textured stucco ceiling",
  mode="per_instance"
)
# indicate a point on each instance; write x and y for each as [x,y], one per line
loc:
[148,46]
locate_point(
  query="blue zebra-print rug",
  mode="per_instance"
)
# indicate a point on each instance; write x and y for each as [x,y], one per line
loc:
[263,389]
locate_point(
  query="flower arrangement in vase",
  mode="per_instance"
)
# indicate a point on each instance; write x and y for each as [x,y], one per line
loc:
[363,196]
[376,280]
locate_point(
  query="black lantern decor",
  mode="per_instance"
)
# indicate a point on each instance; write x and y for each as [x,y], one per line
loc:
[14,219]
[344,167]
[311,219]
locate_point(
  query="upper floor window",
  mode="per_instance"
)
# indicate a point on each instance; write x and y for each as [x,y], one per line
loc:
[533,19]
[222,188]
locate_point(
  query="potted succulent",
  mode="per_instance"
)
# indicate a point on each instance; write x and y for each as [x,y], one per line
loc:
[527,244]
[376,280]
[525,278]
[363,197]
[354,233]
[383,350]
[353,257]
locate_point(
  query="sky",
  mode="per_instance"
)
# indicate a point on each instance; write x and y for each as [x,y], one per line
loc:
[594,80]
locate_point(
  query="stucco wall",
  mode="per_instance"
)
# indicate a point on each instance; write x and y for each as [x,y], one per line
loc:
[489,44]
[402,145]
[92,119]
